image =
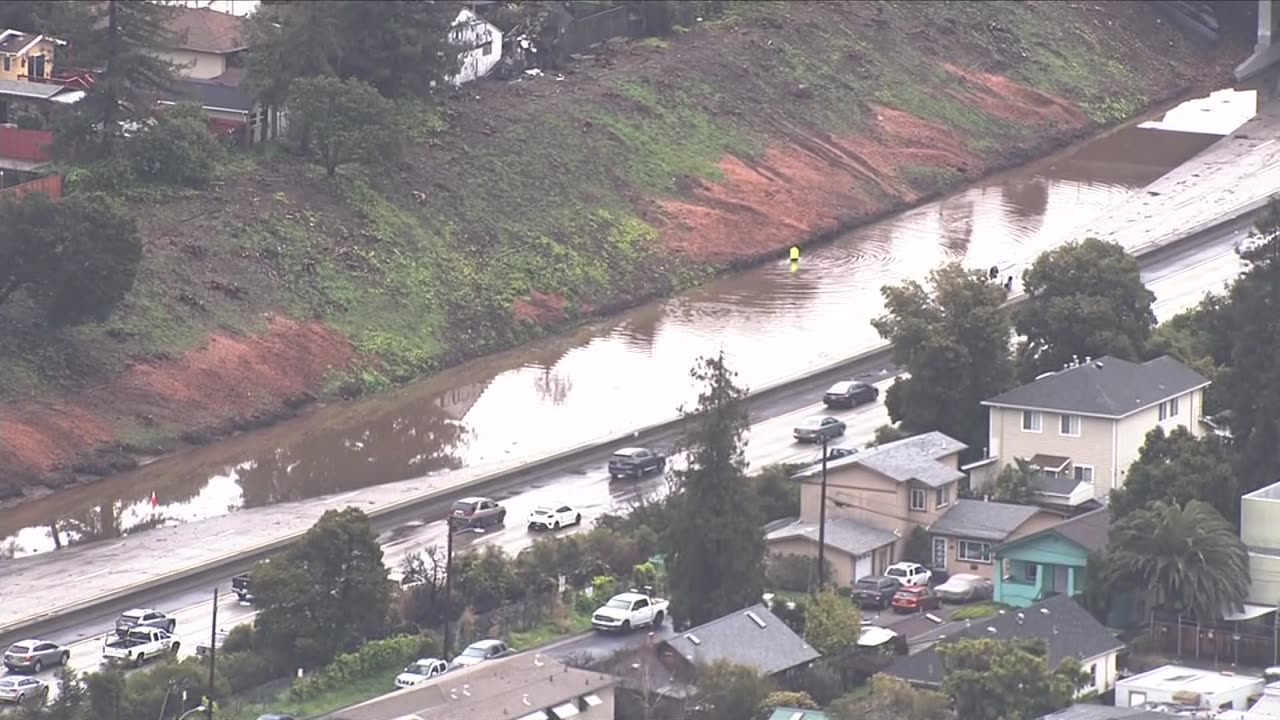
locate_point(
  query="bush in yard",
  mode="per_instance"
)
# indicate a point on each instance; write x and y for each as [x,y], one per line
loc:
[373,657]
[795,573]
[178,149]
[242,670]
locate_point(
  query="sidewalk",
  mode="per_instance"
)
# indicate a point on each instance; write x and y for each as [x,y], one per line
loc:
[1229,178]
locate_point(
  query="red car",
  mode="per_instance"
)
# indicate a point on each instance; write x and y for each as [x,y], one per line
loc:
[915,598]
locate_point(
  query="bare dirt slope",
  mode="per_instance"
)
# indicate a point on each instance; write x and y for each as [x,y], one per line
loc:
[641,170]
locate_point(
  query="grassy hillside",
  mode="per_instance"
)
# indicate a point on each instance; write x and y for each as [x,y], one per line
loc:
[642,170]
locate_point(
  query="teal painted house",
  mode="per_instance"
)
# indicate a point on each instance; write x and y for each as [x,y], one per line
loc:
[1050,562]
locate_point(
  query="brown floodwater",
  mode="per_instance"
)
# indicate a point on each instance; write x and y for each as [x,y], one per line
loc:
[613,376]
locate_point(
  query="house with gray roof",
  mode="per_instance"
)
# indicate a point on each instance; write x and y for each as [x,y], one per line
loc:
[1085,711]
[1051,561]
[964,539]
[753,637]
[875,498]
[1067,629]
[1082,427]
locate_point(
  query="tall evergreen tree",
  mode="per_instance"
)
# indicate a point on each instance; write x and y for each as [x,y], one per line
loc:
[715,547]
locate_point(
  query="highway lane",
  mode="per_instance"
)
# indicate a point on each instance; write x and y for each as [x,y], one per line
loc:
[1179,280]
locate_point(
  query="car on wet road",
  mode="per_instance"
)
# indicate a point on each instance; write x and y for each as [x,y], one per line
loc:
[915,598]
[421,671]
[850,394]
[553,517]
[635,462]
[35,655]
[139,618]
[20,689]
[479,651]
[477,512]
[909,573]
[818,428]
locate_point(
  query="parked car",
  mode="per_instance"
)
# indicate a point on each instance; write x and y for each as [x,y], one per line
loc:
[276,716]
[19,689]
[553,517]
[35,655]
[204,648]
[478,652]
[909,573]
[477,512]
[850,394]
[240,584]
[817,428]
[916,598]
[874,591]
[421,671]
[138,645]
[635,462]
[630,610]
[130,619]
[964,587]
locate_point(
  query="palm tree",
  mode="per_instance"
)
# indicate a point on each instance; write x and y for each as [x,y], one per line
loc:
[1188,556]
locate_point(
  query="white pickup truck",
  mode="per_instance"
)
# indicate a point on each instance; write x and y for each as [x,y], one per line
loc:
[629,610]
[137,645]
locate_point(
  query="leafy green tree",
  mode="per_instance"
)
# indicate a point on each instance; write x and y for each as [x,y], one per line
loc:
[887,433]
[344,121]
[1200,338]
[326,593]
[104,693]
[1007,679]
[892,698]
[1179,467]
[954,343]
[784,699]
[918,548]
[177,149]
[64,19]
[403,48]
[69,703]
[160,687]
[123,43]
[730,692]
[832,624]
[779,493]
[716,551]
[1189,557]
[486,579]
[75,258]
[1013,484]
[1083,299]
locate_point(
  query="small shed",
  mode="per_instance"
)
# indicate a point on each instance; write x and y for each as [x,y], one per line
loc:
[1180,687]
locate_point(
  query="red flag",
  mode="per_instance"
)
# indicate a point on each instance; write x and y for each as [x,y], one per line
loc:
[154,500]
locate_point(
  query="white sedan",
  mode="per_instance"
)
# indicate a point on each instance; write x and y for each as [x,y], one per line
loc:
[553,517]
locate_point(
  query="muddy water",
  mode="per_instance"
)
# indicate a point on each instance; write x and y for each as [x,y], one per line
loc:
[773,322]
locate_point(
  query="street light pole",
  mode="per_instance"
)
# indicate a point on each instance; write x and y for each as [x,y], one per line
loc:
[448,582]
[213,652]
[822,521]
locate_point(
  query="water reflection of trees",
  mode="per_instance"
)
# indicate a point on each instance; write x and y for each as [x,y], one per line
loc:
[103,522]
[1027,198]
[384,449]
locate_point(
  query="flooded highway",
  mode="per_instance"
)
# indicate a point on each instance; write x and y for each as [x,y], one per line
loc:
[632,370]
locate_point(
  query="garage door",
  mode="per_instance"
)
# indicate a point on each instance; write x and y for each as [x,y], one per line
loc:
[862,567]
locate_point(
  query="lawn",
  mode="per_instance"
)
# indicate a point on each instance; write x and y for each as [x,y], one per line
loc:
[979,611]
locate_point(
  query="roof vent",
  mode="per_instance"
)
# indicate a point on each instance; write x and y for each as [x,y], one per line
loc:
[693,639]
[453,694]
[466,689]
[797,716]
[1021,617]
[991,630]
[756,619]
[1044,611]
[1098,364]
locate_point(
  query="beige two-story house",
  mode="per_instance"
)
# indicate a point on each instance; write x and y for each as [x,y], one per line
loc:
[206,43]
[1084,425]
[26,56]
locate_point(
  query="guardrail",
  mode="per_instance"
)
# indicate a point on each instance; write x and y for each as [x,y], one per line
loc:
[652,434]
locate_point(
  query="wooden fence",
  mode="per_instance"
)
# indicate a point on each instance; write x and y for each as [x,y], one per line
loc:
[50,185]
[27,145]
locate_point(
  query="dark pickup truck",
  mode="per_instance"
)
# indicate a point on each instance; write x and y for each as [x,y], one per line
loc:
[636,462]
[241,584]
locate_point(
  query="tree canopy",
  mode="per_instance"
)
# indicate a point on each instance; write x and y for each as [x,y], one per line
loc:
[326,593]
[730,692]
[1179,467]
[1189,558]
[953,340]
[1083,299]
[832,624]
[75,258]
[892,698]
[1013,484]
[344,121]
[1007,679]
[716,549]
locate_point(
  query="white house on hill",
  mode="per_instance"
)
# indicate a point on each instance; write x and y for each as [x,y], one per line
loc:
[481,43]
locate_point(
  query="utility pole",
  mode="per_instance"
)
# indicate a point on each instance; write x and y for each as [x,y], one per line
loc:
[822,521]
[448,582]
[213,655]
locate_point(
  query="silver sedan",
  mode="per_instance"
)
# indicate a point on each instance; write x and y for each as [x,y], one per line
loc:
[35,655]
[965,588]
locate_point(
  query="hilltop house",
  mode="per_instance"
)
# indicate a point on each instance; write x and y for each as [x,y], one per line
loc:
[1082,427]
[205,43]
[28,93]
[27,56]
[480,46]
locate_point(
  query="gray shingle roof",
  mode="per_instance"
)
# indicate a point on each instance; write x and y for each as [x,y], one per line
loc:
[738,639]
[1054,484]
[1089,530]
[1108,386]
[1068,630]
[1105,712]
[211,94]
[26,89]
[843,534]
[982,520]
[914,458]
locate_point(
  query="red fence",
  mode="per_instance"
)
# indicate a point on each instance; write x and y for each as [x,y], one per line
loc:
[28,145]
[50,185]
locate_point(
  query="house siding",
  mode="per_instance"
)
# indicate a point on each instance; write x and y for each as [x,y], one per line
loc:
[955,565]
[18,71]
[196,64]
[485,41]
[1091,447]
[843,565]
[1260,528]
[1104,675]
[870,498]
[1131,432]
[1049,552]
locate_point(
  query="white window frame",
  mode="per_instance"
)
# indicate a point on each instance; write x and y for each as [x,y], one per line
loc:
[942,496]
[1078,475]
[1036,421]
[1169,409]
[923,505]
[960,554]
[1067,422]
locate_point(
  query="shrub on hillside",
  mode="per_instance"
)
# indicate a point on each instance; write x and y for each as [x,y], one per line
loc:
[373,657]
[177,149]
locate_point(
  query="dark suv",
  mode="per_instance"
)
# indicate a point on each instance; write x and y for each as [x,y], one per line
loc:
[477,512]
[874,591]
[635,462]
[850,394]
